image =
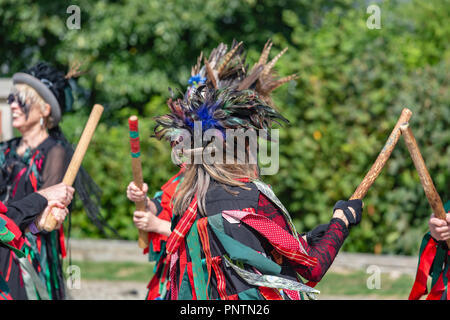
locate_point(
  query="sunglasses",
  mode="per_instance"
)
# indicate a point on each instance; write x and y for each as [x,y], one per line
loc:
[14,97]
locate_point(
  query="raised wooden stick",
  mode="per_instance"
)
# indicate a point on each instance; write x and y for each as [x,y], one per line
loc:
[77,158]
[428,186]
[382,158]
[137,172]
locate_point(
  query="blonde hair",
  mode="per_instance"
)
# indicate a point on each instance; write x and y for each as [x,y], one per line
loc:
[31,97]
[197,178]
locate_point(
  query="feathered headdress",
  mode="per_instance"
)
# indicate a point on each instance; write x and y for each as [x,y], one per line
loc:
[225,94]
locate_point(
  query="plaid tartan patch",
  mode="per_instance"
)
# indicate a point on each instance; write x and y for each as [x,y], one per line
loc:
[182,227]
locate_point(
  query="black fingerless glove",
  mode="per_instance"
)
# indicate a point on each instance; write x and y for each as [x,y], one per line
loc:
[356,204]
[315,234]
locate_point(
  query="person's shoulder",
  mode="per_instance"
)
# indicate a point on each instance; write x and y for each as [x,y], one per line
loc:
[9,143]
[52,146]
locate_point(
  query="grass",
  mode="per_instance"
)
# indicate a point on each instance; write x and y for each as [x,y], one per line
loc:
[356,284]
[348,285]
[114,271]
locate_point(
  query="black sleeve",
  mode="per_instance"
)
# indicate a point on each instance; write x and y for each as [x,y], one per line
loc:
[25,210]
[55,166]
[158,206]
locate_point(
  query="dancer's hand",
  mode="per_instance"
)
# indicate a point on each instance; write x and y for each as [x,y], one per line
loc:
[439,229]
[147,221]
[348,211]
[55,208]
[59,192]
[136,194]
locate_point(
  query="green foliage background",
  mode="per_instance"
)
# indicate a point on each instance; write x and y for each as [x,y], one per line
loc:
[353,84]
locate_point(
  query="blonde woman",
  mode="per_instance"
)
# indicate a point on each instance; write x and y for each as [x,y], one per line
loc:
[34,161]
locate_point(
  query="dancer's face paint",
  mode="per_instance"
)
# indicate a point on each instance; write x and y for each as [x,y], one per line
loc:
[24,115]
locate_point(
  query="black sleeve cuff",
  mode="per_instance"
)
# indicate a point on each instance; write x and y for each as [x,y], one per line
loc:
[25,210]
[157,205]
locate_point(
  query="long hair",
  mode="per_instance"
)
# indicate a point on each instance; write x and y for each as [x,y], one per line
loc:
[224,94]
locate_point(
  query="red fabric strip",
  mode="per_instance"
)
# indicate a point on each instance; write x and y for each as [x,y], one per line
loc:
[293,295]
[270,293]
[9,267]
[182,261]
[448,278]
[62,242]
[153,287]
[16,180]
[165,273]
[220,277]
[168,190]
[423,270]
[3,208]
[311,284]
[182,227]
[172,274]
[18,240]
[282,241]
[33,181]
[437,290]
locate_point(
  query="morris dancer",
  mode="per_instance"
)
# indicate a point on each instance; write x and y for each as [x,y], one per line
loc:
[29,213]
[38,159]
[231,238]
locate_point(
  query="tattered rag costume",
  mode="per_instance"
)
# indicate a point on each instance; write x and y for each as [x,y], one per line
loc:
[38,168]
[434,262]
[13,221]
[235,239]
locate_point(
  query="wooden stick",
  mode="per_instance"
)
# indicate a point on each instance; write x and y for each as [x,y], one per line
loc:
[137,172]
[428,186]
[77,158]
[382,158]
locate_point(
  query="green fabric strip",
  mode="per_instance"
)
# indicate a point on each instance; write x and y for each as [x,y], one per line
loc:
[445,280]
[185,292]
[135,154]
[4,287]
[155,255]
[423,244]
[54,237]
[193,243]
[447,206]
[6,235]
[2,224]
[19,253]
[250,294]
[240,252]
[158,195]
[438,264]
[33,285]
